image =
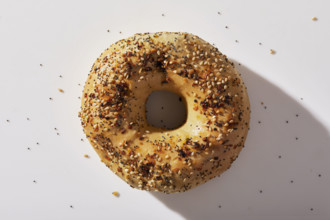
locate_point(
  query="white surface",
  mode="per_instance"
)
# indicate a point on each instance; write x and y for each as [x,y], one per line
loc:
[66,37]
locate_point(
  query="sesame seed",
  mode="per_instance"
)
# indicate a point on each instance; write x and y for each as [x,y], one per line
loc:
[115,193]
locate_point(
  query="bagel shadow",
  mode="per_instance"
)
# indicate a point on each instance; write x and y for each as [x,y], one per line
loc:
[271,176]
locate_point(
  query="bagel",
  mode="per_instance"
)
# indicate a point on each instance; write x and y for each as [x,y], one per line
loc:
[155,159]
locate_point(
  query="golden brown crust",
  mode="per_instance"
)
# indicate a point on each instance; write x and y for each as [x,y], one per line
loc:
[113,111]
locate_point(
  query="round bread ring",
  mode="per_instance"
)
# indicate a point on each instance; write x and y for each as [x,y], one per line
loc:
[149,158]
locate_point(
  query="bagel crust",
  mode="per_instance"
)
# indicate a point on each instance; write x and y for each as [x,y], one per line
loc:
[149,158]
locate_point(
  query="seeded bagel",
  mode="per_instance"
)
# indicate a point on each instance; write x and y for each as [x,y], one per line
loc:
[155,159]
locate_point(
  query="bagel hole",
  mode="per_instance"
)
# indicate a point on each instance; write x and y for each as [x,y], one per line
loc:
[166,110]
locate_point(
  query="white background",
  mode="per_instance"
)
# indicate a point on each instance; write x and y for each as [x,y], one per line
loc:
[67,36]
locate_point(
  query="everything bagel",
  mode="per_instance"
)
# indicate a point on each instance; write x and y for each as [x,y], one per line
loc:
[155,159]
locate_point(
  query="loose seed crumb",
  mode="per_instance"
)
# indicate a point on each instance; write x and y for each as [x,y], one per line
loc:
[272,51]
[61,90]
[86,155]
[115,193]
[314,18]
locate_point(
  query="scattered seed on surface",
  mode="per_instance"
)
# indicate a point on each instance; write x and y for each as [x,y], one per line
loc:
[312,209]
[82,139]
[226,27]
[60,76]
[8,120]
[319,175]
[29,148]
[34,181]
[41,64]
[61,90]
[272,51]
[28,119]
[115,193]
[50,98]
[314,18]
[287,121]
[260,43]
[163,15]
[219,13]
[108,31]
[37,143]
[291,181]
[86,155]
[279,156]
[71,206]
[260,191]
